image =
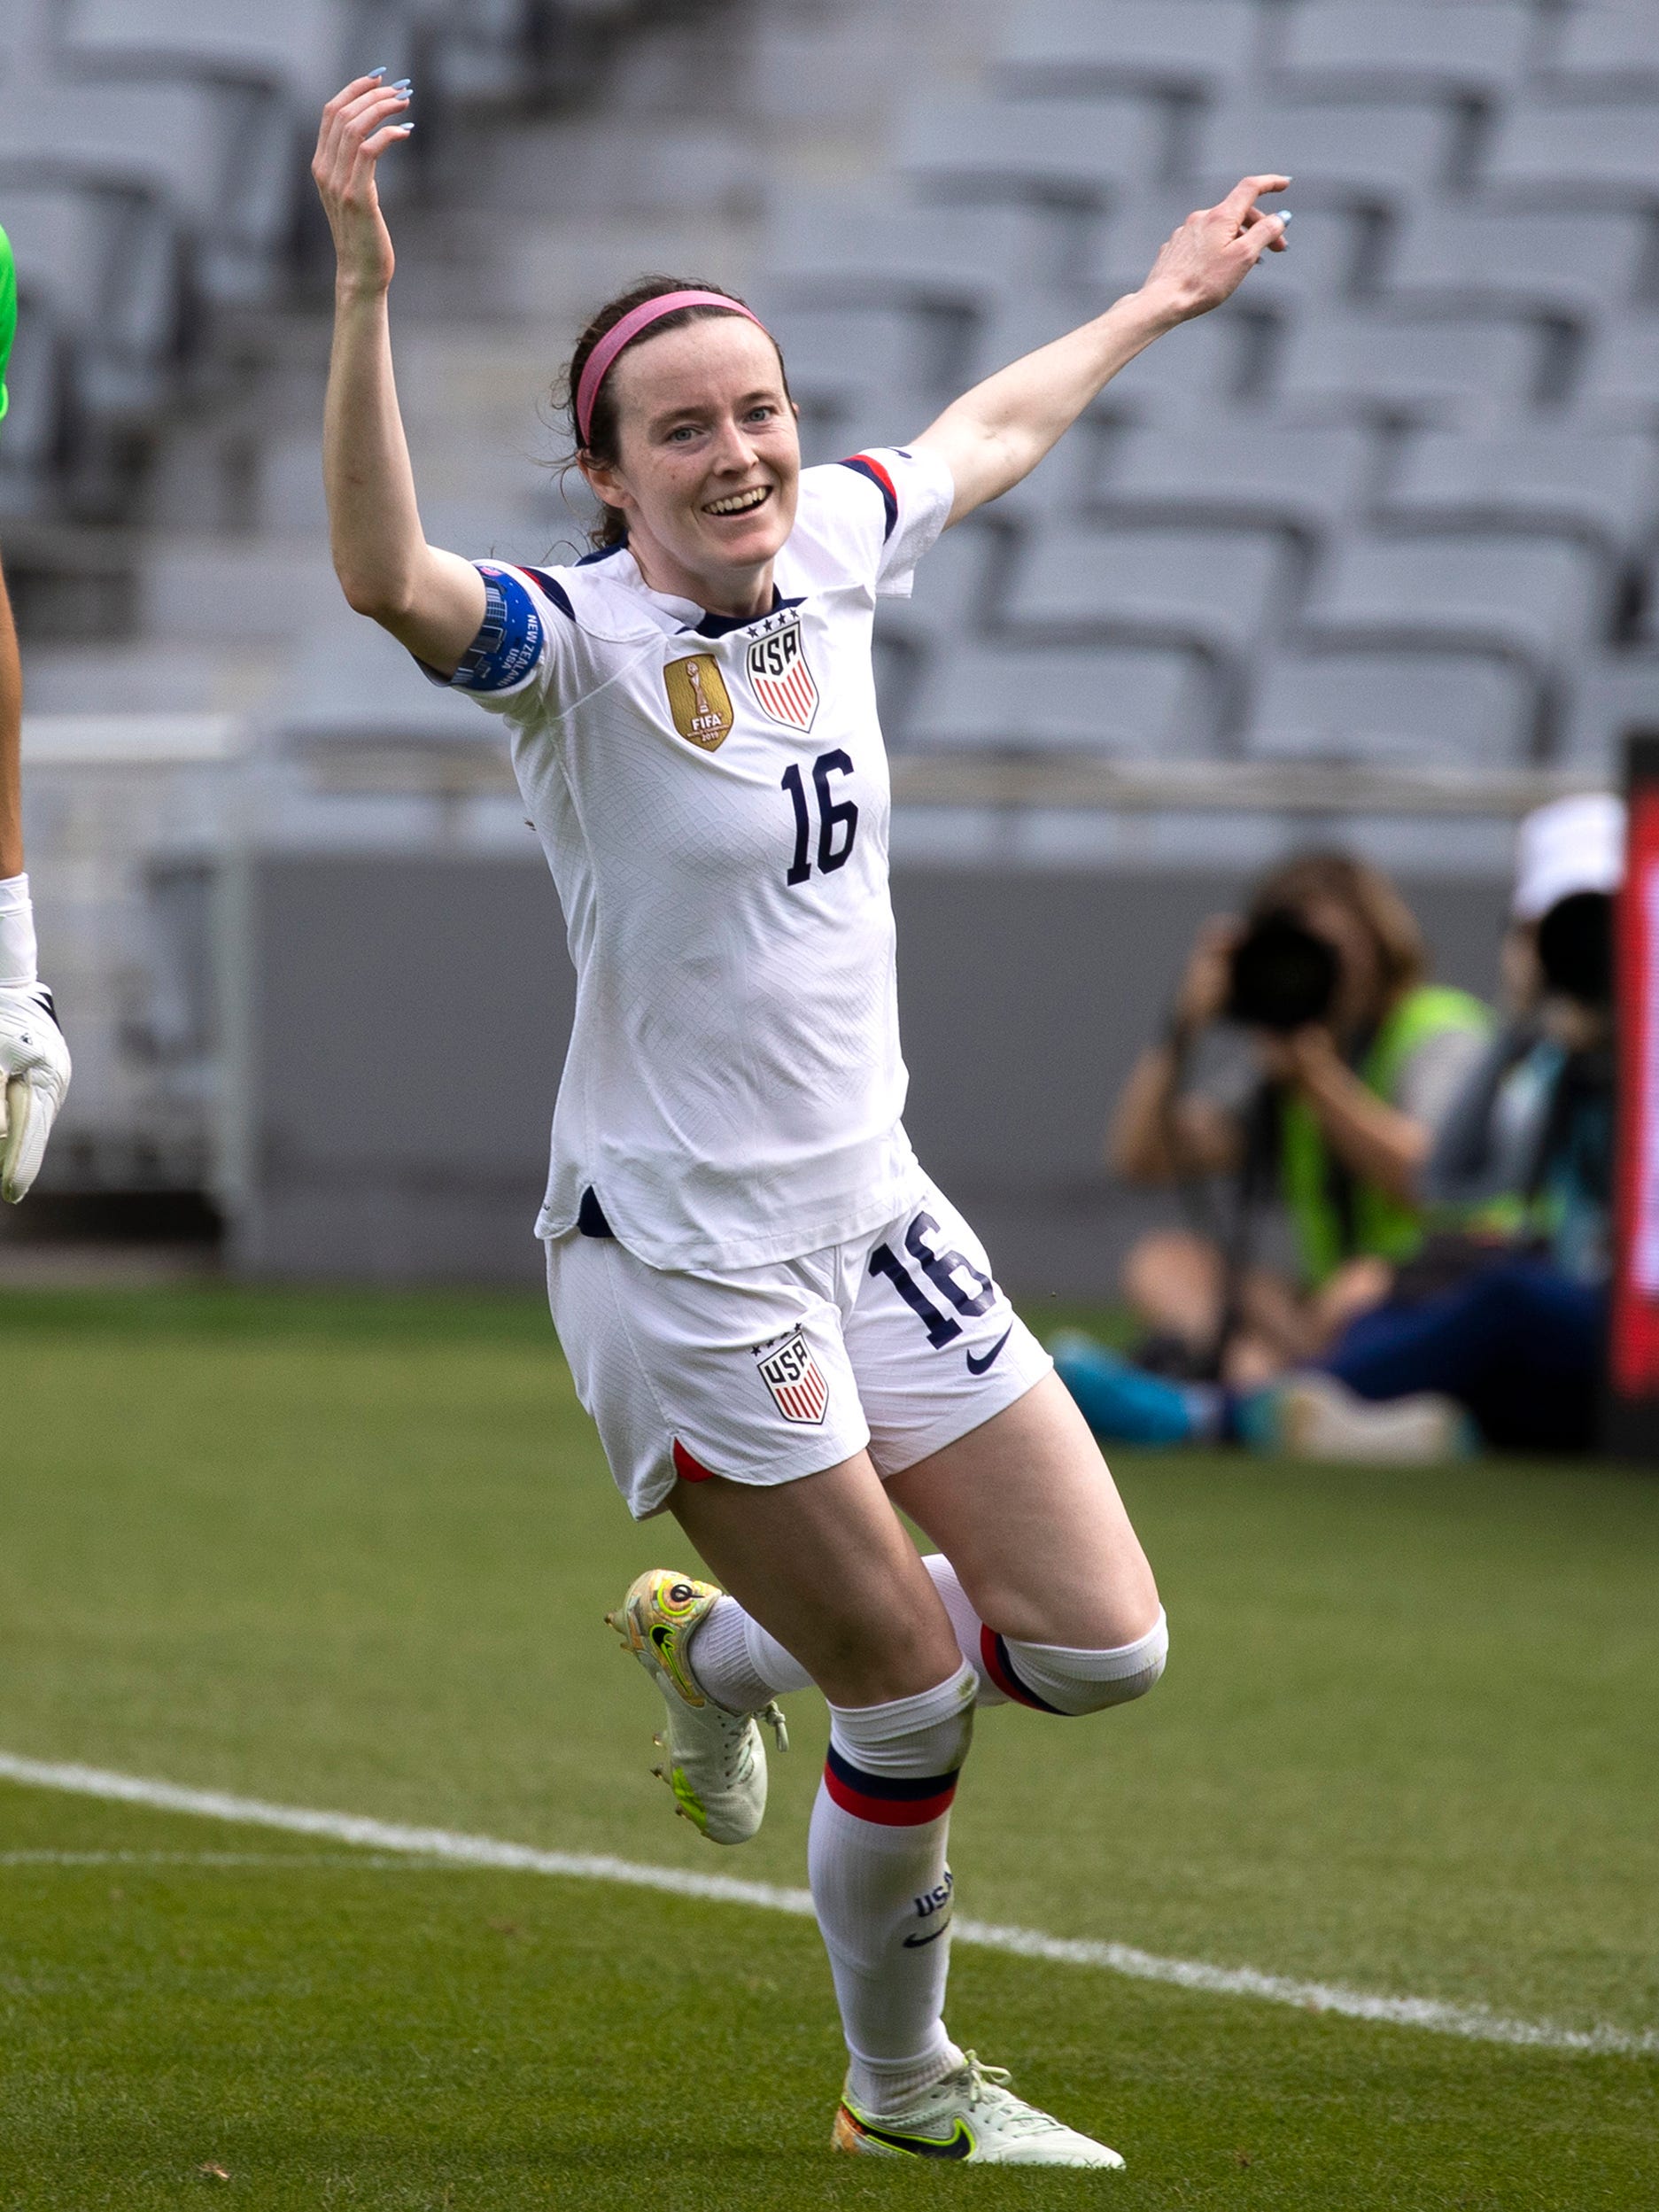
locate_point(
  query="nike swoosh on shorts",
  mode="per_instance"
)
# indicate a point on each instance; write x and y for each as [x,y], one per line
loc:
[978,1367]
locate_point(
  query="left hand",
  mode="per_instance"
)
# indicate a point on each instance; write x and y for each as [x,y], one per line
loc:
[1205,260]
[33,1077]
[1298,1057]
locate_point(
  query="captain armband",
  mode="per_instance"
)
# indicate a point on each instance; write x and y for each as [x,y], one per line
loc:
[508,642]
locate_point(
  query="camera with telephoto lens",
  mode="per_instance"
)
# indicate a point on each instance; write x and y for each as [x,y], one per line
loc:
[1574,949]
[1283,975]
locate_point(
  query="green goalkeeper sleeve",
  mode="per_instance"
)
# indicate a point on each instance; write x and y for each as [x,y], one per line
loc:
[8,310]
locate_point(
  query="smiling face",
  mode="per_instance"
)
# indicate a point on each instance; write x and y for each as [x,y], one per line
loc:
[707,466]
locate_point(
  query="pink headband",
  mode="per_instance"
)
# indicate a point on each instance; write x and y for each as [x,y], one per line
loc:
[637,319]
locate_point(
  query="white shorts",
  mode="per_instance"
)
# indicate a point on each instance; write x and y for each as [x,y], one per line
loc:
[898,1340]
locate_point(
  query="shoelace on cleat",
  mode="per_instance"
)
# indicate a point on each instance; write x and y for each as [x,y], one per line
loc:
[990,2085]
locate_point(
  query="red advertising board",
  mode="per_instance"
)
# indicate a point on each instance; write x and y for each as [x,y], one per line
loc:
[1633,1335]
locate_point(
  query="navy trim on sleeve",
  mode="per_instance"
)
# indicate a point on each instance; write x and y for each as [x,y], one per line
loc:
[553,588]
[509,641]
[861,464]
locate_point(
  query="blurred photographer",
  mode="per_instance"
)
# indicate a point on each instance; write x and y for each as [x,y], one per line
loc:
[1507,1317]
[1357,1060]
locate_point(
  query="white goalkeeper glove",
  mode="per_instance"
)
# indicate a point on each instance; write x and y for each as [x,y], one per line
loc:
[33,1076]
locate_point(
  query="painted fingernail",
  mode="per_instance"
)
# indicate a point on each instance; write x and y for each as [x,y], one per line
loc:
[401,84]
[403,129]
[1284,214]
[380,71]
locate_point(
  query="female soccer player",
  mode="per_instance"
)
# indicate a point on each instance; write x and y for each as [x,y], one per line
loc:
[782,1329]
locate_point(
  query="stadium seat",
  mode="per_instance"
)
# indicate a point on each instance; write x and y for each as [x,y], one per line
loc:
[1610,697]
[1577,153]
[1239,471]
[1215,591]
[1063,151]
[1358,153]
[1130,700]
[1526,599]
[1620,384]
[1612,51]
[299,46]
[829,248]
[175,141]
[1595,486]
[1468,50]
[1421,369]
[1399,707]
[952,599]
[1191,47]
[1581,264]
[845,358]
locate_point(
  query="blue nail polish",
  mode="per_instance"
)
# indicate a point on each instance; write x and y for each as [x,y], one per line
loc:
[401,84]
[380,71]
[1284,215]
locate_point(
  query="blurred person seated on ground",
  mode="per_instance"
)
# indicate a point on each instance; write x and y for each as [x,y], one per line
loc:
[1355,1058]
[1508,1314]
[1495,1328]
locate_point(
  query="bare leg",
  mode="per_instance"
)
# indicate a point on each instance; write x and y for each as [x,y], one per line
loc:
[1026,1512]
[824,1563]
[1173,1279]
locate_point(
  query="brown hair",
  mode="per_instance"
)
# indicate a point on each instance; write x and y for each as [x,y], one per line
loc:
[602,444]
[1402,955]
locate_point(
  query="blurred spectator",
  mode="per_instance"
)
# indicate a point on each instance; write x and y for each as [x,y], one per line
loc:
[1354,1059]
[1499,1322]
[1507,1317]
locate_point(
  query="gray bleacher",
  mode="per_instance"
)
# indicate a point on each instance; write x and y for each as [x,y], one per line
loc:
[1396,498]
[1396,502]
[153,169]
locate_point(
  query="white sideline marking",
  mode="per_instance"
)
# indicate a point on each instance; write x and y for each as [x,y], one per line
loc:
[444,1846]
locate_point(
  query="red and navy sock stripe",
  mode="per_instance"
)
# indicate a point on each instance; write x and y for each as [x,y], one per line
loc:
[1000,1667]
[890,1800]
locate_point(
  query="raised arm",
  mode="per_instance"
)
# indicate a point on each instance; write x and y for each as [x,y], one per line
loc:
[994,435]
[431,601]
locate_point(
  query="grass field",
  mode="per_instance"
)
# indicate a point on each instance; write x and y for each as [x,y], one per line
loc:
[352,1552]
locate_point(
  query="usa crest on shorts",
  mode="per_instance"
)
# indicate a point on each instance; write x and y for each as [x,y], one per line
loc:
[795,1379]
[780,679]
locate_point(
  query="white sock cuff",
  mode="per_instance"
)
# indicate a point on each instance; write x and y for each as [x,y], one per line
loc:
[19,957]
[927,1734]
[966,1622]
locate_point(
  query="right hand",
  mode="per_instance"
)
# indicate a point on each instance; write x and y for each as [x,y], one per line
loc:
[358,124]
[1203,989]
[33,1077]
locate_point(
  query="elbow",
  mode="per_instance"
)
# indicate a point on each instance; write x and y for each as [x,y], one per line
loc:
[371,597]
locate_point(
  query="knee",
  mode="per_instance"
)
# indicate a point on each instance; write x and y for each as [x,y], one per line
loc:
[1170,1270]
[1061,1679]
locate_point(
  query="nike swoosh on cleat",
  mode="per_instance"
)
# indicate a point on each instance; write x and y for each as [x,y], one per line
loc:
[978,1367]
[915,1943]
[960,2145]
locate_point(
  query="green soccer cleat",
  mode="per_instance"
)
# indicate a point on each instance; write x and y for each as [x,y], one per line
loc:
[716,1763]
[970,2115]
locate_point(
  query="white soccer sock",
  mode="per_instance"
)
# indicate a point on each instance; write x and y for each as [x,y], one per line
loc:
[968,1625]
[880,1886]
[739,1663]
[1052,1677]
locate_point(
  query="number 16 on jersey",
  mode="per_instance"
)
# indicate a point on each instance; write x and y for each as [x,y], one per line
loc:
[837,818]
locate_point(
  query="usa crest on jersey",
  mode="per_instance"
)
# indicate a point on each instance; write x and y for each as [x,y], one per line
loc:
[795,1380]
[780,679]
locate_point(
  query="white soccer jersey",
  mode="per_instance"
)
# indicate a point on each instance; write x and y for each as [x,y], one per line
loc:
[712,796]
